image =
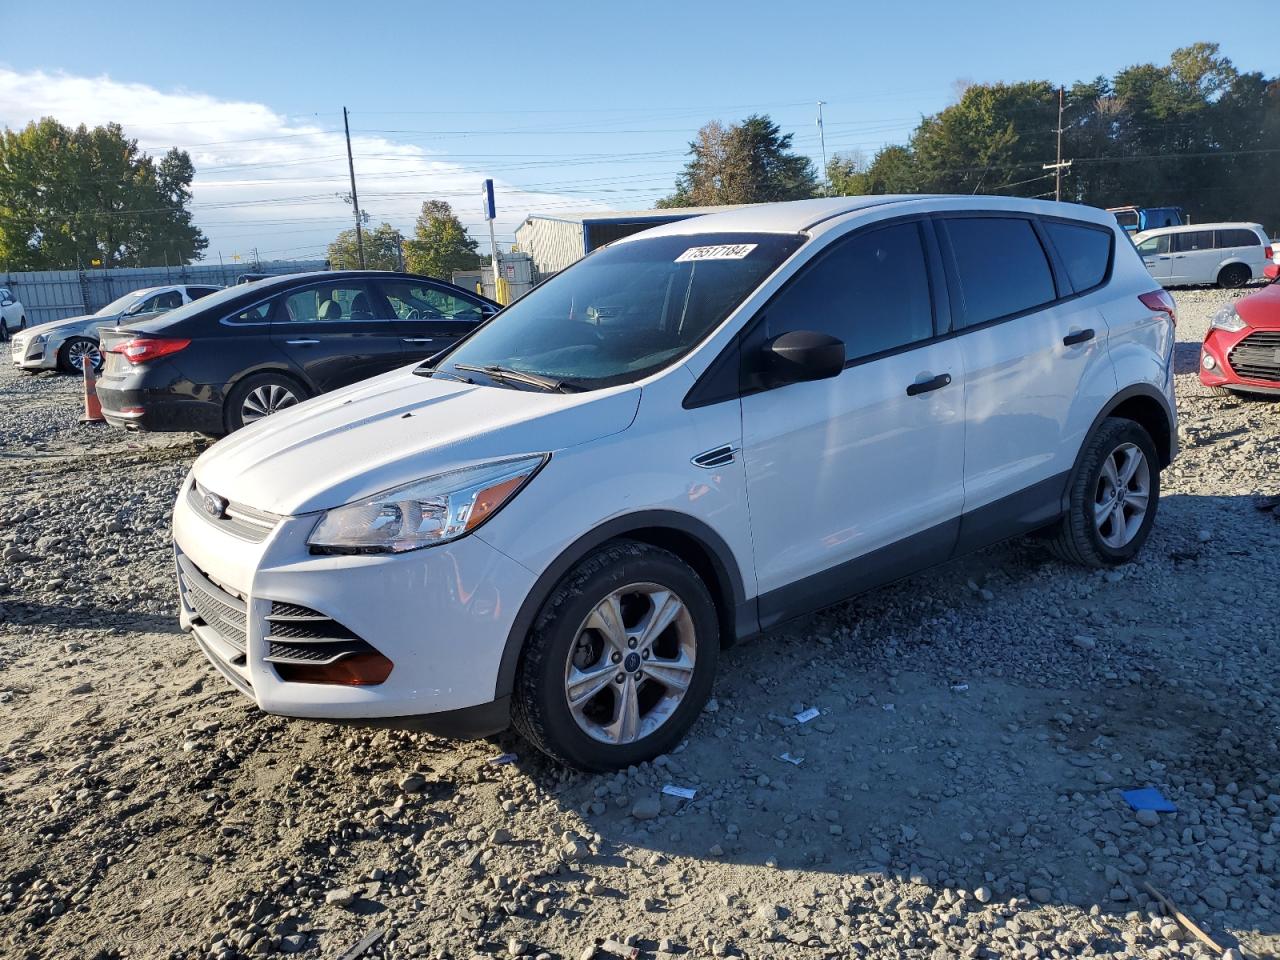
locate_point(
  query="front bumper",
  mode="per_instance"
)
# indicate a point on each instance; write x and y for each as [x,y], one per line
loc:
[1219,346]
[29,354]
[441,615]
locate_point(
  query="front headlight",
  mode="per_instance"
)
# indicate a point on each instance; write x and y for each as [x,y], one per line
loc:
[1227,319]
[426,512]
[40,338]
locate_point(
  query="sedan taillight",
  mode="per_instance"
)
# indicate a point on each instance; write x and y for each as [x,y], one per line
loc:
[143,349]
[1161,302]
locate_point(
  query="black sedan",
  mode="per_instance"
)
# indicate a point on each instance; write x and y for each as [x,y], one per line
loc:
[245,352]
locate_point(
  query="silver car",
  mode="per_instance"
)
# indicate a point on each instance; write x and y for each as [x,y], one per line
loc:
[63,344]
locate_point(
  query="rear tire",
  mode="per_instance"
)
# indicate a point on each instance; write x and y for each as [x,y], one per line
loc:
[1109,514]
[260,396]
[1234,275]
[4,331]
[571,652]
[72,353]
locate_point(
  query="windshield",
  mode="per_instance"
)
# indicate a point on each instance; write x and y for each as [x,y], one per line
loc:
[625,311]
[122,304]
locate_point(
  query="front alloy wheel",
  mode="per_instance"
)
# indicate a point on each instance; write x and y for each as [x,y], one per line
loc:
[620,659]
[631,663]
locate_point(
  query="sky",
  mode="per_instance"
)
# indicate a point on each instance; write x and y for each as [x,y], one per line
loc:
[568,106]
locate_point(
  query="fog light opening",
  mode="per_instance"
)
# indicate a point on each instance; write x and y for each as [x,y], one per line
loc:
[360,670]
[1208,362]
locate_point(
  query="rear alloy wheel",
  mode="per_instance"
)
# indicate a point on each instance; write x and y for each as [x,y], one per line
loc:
[1113,497]
[259,397]
[72,353]
[1234,275]
[620,660]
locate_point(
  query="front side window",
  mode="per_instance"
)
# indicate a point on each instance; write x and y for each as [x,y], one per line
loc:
[1085,251]
[422,301]
[625,311]
[1001,267]
[1192,240]
[870,291]
[326,303]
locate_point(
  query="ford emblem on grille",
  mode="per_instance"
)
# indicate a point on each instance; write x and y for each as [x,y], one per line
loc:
[214,505]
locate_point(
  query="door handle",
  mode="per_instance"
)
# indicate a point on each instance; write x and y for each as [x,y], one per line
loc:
[302,343]
[925,386]
[1080,336]
[417,339]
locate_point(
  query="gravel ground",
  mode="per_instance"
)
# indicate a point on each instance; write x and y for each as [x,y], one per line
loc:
[959,794]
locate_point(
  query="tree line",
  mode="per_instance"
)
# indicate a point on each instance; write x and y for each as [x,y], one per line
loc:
[81,198]
[1195,132]
[439,245]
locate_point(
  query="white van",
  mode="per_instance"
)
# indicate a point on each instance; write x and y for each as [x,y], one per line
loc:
[1228,254]
[690,436]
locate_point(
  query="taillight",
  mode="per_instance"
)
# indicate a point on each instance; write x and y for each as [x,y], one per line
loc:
[1268,253]
[1161,302]
[144,349]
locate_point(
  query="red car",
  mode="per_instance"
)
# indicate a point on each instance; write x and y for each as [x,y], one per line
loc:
[1241,351]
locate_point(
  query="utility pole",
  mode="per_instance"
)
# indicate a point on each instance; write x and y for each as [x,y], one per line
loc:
[400,250]
[1060,165]
[355,200]
[822,139]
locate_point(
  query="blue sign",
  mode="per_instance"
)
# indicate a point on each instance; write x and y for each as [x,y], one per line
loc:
[486,195]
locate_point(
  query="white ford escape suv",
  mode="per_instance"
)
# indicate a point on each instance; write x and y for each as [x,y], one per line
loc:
[688,437]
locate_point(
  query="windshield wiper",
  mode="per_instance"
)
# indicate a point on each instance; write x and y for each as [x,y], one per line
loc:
[425,371]
[507,375]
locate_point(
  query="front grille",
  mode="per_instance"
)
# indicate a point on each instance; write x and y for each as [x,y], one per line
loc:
[19,348]
[297,634]
[222,612]
[1257,356]
[235,518]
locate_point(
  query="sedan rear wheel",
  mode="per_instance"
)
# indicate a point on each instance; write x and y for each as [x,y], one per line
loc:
[259,397]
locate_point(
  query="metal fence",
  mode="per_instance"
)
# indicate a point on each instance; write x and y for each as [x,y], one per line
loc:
[53,294]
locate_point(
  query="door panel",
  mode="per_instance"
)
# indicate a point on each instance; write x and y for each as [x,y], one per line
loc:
[1157,258]
[839,468]
[1029,397]
[337,333]
[856,479]
[430,317]
[1037,369]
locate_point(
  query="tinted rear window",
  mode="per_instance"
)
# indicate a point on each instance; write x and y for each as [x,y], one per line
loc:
[1086,252]
[1238,238]
[1001,267]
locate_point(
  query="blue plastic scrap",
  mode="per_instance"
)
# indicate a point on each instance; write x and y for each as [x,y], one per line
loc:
[1148,798]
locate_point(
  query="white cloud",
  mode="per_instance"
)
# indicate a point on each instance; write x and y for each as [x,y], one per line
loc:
[269,181]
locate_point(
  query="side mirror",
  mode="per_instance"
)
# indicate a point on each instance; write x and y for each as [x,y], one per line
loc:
[801,356]
[1271,271]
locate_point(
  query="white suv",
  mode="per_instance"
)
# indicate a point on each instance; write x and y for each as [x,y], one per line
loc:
[13,316]
[687,438]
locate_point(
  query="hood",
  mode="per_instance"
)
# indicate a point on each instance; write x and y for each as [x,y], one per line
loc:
[1261,310]
[65,325]
[395,429]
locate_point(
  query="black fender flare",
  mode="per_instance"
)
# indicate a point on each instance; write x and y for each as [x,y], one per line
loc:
[741,614]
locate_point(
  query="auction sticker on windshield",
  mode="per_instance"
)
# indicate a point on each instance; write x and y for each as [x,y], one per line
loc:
[721,251]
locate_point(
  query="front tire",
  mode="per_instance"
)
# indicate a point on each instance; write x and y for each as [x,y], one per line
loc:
[72,353]
[1113,497]
[260,396]
[620,660]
